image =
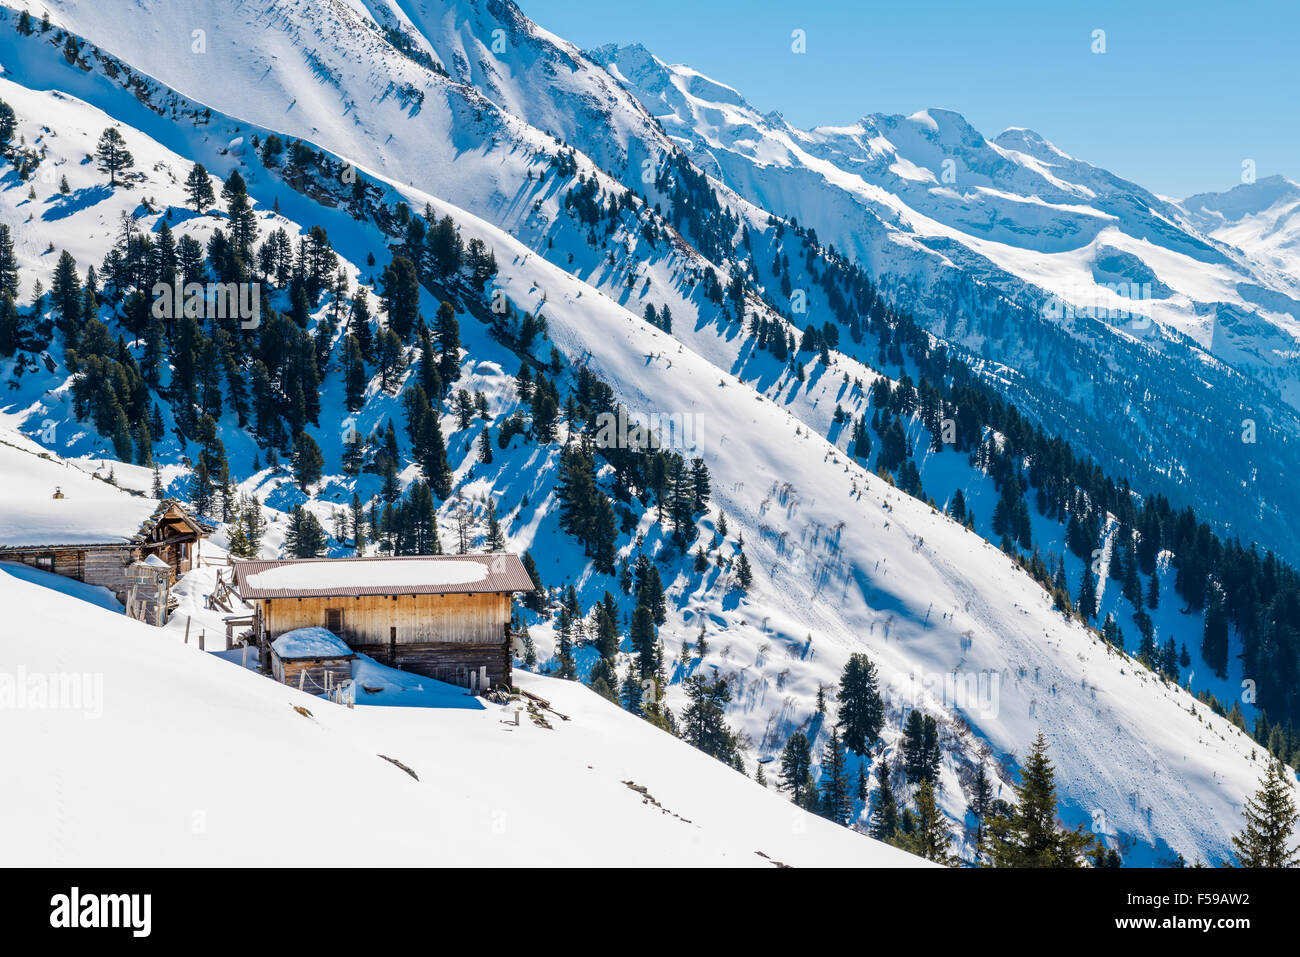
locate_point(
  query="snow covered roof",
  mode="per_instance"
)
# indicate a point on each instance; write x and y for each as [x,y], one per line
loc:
[311,643]
[91,512]
[406,575]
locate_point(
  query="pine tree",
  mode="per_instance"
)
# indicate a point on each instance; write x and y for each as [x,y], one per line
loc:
[796,768]
[884,809]
[862,709]
[744,574]
[921,751]
[564,646]
[1271,818]
[931,835]
[308,463]
[981,801]
[198,186]
[836,802]
[113,155]
[703,724]
[1029,835]
[305,538]
[1087,603]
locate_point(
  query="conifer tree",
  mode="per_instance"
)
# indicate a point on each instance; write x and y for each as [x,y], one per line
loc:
[836,802]
[862,710]
[702,721]
[1028,835]
[744,574]
[884,809]
[305,537]
[930,835]
[921,747]
[1087,603]
[308,463]
[796,768]
[112,154]
[1268,835]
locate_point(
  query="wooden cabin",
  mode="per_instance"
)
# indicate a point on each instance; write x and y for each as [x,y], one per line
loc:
[313,659]
[106,543]
[443,616]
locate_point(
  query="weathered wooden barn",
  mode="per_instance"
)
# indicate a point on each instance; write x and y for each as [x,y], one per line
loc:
[105,543]
[444,616]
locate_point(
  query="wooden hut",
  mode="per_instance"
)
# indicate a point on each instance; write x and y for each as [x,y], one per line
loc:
[313,659]
[103,542]
[444,616]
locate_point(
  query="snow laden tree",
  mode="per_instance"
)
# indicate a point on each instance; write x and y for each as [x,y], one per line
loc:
[862,710]
[1267,838]
[1029,834]
[112,154]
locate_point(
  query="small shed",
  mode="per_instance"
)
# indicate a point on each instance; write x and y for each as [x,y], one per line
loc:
[314,659]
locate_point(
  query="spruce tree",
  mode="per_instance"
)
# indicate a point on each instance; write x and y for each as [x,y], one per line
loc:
[1028,835]
[112,154]
[862,710]
[836,803]
[308,463]
[1266,840]
[198,186]
[884,809]
[796,767]
[931,835]
[744,574]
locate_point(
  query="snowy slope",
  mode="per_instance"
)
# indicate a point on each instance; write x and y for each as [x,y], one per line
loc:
[1262,219]
[931,179]
[843,562]
[466,101]
[224,770]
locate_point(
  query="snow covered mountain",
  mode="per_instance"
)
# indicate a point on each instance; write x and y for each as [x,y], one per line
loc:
[414,97]
[1081,271]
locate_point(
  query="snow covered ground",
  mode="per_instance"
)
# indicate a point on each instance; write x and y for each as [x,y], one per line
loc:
[132,750]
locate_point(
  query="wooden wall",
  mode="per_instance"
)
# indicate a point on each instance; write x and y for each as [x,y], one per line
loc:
[419,619]
[442,636]
[291,672]
[105,566]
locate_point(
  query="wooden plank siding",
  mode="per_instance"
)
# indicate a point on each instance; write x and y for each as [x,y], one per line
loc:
[99,566]
[314,681]
[441,636]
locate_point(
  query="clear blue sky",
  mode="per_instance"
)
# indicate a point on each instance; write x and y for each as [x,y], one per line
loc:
[1183,94]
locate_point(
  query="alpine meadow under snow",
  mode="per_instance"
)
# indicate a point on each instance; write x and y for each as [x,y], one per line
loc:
[892,435]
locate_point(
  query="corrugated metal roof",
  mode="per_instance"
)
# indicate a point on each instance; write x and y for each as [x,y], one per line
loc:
[404,575]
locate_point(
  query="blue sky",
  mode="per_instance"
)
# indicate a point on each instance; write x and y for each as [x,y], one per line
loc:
[1184,93]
